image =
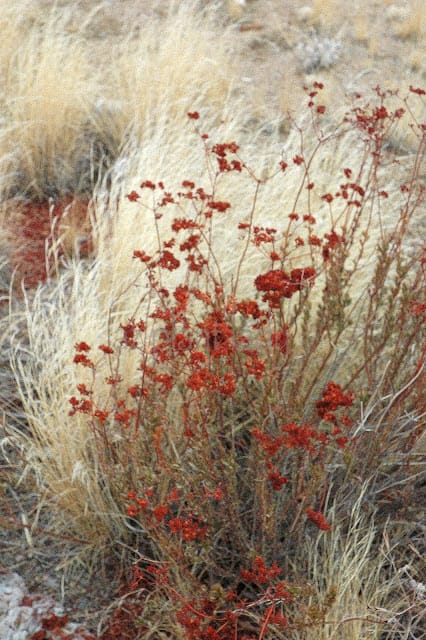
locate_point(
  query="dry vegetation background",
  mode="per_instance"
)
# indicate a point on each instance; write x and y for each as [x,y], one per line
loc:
[92,99]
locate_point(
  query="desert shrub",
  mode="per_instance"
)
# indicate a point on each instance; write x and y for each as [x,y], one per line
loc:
[198,391]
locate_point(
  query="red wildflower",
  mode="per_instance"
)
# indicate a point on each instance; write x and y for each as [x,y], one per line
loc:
[147,184]
[176,524]
[276,285]
[332,398]
[160,512]
[190,243]
[249,308]
[202,379]
[217,334]
[101,415]
[221,148]
[277,480]
[168,261]
[279,339]
[182,343]
[301,437]
[125,416]
[81,358]
[196,263]
[314,240]
[133,196]
[105,348]
[260,573]
[301,278]
[165,380]
[84,390]
[129,333]
[318,519]
[263,235]
[228,386]
[197,357]
[253,364]
[141,255]
[333,239]
[418,308]
[420,92]
[181,294]
[219,205]
[223,165]
[270,445]
[82,346]
[188,184]
[184,223]
[132,511]
[309,218]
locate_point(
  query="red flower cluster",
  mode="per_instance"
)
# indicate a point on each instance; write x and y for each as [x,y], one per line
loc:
[332,398]
[221,150]
[217,334]
[168,261]
[276,284]
[302,437]
[318,519]
[129,330]
[259,573]
[279,339]
[263,235]
[276,479]
[190,528]
[333,240]
[81,358]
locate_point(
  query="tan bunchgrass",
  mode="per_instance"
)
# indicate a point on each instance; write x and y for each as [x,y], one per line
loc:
[148,88]
[359,589]
[46,107]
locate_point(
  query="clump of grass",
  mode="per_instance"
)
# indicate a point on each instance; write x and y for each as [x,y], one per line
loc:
[45,115]
[66,115]
[202,73]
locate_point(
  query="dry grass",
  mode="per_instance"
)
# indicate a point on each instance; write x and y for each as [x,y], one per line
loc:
[64,113]
[355,581]
[49,94]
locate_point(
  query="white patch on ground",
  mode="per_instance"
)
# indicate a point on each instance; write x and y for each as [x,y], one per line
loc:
[22,614]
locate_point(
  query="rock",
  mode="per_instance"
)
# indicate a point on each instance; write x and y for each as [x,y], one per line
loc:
[24,616]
